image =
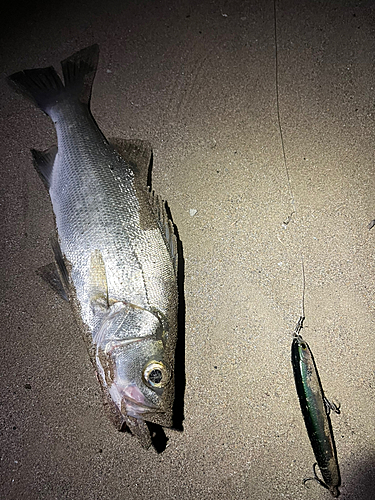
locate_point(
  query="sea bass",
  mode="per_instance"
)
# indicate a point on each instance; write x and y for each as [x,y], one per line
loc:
[315,409]
[115,250]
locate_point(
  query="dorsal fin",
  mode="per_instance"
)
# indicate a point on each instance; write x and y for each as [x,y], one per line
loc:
[165,222]
[43,163]
[138,154]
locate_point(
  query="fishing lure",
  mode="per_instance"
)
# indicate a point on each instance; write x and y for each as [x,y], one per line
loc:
[315,409]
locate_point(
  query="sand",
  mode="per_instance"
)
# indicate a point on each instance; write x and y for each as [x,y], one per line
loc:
[198,80]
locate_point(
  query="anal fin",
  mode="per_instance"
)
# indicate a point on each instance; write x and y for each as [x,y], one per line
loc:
[43,163]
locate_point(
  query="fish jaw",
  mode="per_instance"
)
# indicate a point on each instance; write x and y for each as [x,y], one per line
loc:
[130,400]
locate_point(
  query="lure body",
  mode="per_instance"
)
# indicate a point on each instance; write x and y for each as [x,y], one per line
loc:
[315,413]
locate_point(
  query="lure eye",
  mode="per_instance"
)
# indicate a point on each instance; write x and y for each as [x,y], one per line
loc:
[303,346]
[156,375]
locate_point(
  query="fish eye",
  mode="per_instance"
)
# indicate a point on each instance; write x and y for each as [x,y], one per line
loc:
[156,375]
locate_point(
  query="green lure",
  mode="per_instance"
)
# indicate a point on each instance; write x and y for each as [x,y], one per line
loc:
[315,409]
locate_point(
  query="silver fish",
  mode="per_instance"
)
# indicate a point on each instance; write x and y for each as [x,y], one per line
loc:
[115,250]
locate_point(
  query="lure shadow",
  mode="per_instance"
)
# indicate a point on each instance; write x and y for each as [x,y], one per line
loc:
[359,482]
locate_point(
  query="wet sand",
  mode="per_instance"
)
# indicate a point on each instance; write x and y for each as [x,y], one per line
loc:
[198,80]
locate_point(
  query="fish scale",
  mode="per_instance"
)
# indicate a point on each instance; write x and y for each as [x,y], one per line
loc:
[113,227]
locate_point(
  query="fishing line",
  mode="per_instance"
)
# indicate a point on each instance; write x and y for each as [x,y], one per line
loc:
[314,405]
[291,194]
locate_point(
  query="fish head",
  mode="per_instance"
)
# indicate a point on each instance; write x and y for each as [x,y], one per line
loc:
[141,377]
[135,363]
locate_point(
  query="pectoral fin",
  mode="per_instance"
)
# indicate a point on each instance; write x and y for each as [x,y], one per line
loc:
[98,281]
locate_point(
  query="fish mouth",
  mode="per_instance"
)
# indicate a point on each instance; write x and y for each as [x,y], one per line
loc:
[135,402]
[130,400]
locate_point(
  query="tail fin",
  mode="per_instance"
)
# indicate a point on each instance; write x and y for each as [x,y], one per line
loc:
[45,88]
[79,72]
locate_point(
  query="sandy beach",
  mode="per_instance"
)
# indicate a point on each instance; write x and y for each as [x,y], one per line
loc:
[204,83]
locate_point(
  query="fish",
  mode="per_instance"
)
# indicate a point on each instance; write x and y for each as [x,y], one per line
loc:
[115,247]
[315,410]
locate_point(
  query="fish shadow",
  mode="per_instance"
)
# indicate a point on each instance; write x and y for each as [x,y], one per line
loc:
[180,378]
[159,439]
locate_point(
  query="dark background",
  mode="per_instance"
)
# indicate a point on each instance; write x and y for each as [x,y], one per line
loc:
[198,80]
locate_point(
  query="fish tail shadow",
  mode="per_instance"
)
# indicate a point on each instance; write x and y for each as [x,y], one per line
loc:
[44,87]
